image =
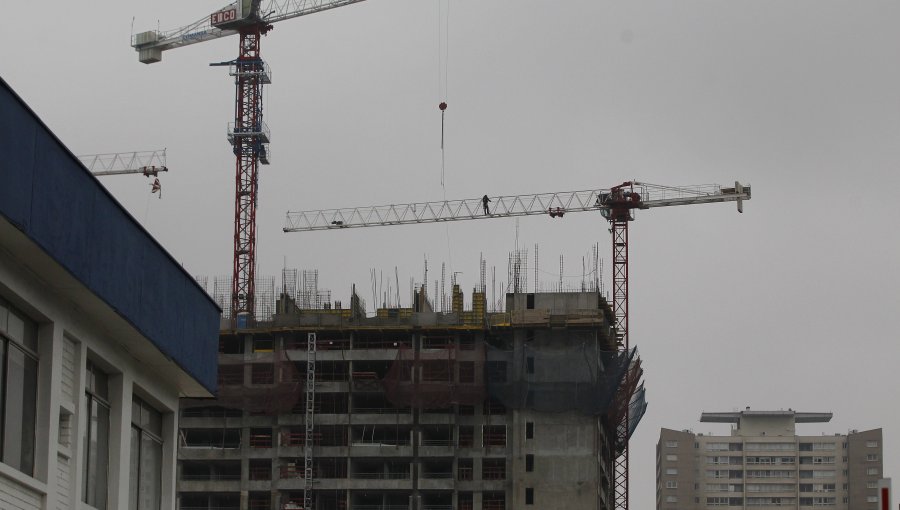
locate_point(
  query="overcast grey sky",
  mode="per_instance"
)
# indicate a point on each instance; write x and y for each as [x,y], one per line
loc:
[792,304]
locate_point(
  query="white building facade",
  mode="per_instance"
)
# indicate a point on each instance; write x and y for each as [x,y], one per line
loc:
[91,362]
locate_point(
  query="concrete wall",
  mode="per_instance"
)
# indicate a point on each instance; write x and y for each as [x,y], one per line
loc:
[864,454]
[675,450]
[766,426]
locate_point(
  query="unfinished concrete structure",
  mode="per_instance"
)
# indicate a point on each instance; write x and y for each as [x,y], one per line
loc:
[764,463]
[414,409]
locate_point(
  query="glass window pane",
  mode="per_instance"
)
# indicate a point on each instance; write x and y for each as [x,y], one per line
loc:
[152,420]
[3,323]
[98,381]
[20,410]
[2,379]
[151,473]
[97,450]
[136,411]
[16,328]
[102,459]
[134,468]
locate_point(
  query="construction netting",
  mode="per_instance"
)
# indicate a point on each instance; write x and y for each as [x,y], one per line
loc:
[555,377]
[436,378]
[569,373]
[268,383]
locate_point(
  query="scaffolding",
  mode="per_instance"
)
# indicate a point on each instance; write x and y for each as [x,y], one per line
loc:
[222,294]
[310,420]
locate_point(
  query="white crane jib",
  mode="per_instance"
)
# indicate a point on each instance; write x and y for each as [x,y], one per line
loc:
[148,163]
[555,204]
[227,21]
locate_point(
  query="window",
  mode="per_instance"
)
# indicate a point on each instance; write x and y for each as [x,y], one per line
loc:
[671,484]
[529,361]
[671,499]
[529,496]
[872,444]
[18,388]
[671,444]
[493,435]
[96,436]
[671,458]
[871,485]
[466,372]
[783,447]
[871,499]
[261,344]
[671,471]
[529,463]
[496,371]
[529,430]
[465,469]
[872,471]
[872,457]
[146,456]
[493,469]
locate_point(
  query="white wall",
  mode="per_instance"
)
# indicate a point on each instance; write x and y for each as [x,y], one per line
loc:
[68,336]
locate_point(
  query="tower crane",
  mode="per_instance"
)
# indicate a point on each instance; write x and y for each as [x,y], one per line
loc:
[248,134]
[616,205]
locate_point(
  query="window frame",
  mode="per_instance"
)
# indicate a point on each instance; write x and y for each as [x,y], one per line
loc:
[25,342]
[95,398]
[145,436]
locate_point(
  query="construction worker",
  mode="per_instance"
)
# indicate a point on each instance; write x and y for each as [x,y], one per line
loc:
[484,202]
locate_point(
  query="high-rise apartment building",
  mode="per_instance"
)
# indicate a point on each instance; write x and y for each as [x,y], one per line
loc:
[764,463]
[324,408]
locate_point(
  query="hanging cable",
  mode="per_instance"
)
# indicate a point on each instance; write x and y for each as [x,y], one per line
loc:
[443,54]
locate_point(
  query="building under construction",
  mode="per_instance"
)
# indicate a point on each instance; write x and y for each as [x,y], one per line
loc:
[415,409]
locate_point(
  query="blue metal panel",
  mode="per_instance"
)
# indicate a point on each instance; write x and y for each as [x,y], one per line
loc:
[17,132]
[119,252]
[62,208]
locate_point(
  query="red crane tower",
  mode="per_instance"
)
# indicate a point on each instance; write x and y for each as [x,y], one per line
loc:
[248,134]
[616,204]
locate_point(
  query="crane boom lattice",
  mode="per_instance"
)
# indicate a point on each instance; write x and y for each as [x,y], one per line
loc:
[556,204]
[227,22]
[121,163]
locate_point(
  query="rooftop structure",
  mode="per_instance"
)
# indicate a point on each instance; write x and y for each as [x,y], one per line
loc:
[738,416]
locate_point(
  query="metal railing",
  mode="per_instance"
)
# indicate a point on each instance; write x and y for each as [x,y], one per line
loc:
[210,477]
[399,475]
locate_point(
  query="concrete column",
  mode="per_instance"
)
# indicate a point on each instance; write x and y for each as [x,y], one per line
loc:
[119,439]
[50,338]
[169,457]
[79,422]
